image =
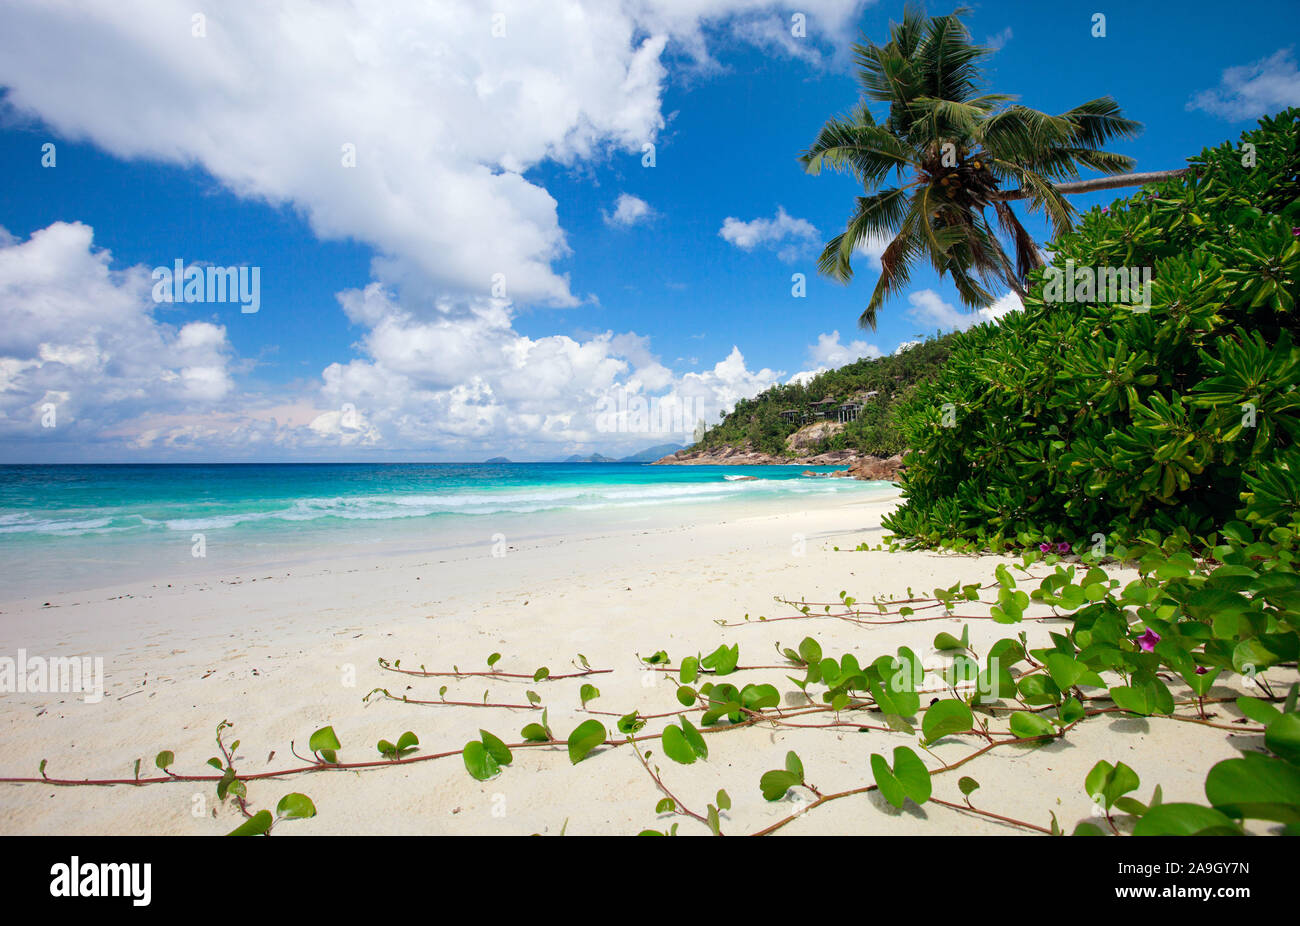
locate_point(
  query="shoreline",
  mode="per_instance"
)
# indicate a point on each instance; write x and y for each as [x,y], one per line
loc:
[94,562]
[281,656]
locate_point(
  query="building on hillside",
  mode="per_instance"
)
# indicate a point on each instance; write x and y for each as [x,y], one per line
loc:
[850,410]
[823,407]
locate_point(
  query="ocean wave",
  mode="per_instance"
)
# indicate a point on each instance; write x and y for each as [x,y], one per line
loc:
[25,524]
[208,515]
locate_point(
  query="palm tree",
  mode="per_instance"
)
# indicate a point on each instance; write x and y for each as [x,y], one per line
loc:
[960,147]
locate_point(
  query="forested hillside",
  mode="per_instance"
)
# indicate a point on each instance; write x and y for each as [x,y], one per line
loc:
[758,422]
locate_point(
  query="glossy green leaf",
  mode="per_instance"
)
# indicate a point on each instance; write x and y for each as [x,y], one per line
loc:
[1184,820]
[1256,786]
[324,742]
[1282,737]
[295,806]
[944,719]
[675,746]
[1026,725]
[586,737]
[256,825]
[479,762]
[776,783]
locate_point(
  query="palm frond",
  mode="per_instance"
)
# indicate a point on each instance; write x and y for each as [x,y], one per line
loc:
[868,151]
[928,73]
[1027,255]
[876,216]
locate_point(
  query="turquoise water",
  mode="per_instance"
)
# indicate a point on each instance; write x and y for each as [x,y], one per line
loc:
[72,524]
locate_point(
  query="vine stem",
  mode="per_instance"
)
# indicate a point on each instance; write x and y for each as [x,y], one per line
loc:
[827,798]
[967,808]
[867,622]
[422,673]
[516,707]
[678,806]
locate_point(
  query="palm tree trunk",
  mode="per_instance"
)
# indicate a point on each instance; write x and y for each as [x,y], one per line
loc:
[1099,183]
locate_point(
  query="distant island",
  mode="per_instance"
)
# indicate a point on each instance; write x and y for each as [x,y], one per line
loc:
[649,455]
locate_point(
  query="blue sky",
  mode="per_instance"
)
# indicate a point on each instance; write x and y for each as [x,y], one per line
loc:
[379,335]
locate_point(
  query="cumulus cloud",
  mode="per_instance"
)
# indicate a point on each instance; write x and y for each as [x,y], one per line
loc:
[829,353]
[1252,90]
[789,236]
[819,32]
[927,307]
[628,211]
[441,116]
[407,126]
[82,340]
[465,376]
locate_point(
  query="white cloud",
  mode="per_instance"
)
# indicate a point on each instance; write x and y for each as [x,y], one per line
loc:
[929,308]
[1009,302]
[446,122]
[791,235]
[81,337]
[1252,90]
[999,41]
[828,29]
[456,381]
[828,351]
[445,118]
[628,211]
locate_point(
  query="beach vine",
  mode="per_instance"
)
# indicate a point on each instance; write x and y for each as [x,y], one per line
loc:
[1162,647]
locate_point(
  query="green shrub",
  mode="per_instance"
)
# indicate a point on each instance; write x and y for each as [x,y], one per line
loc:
[1078,418]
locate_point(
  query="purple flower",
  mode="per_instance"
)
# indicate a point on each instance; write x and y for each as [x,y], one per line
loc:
[1105,210]
[1149,640]
[1045,548]
[1062,547]
[1201,670]
[1295,232]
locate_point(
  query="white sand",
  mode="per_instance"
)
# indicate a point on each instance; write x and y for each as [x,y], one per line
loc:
[272,653]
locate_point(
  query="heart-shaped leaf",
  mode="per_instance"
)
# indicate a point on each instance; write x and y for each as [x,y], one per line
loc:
[945,718]
[295,806]
[586,737]
[480,763]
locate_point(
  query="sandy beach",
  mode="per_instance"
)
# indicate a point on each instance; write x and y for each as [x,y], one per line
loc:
[282,653]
